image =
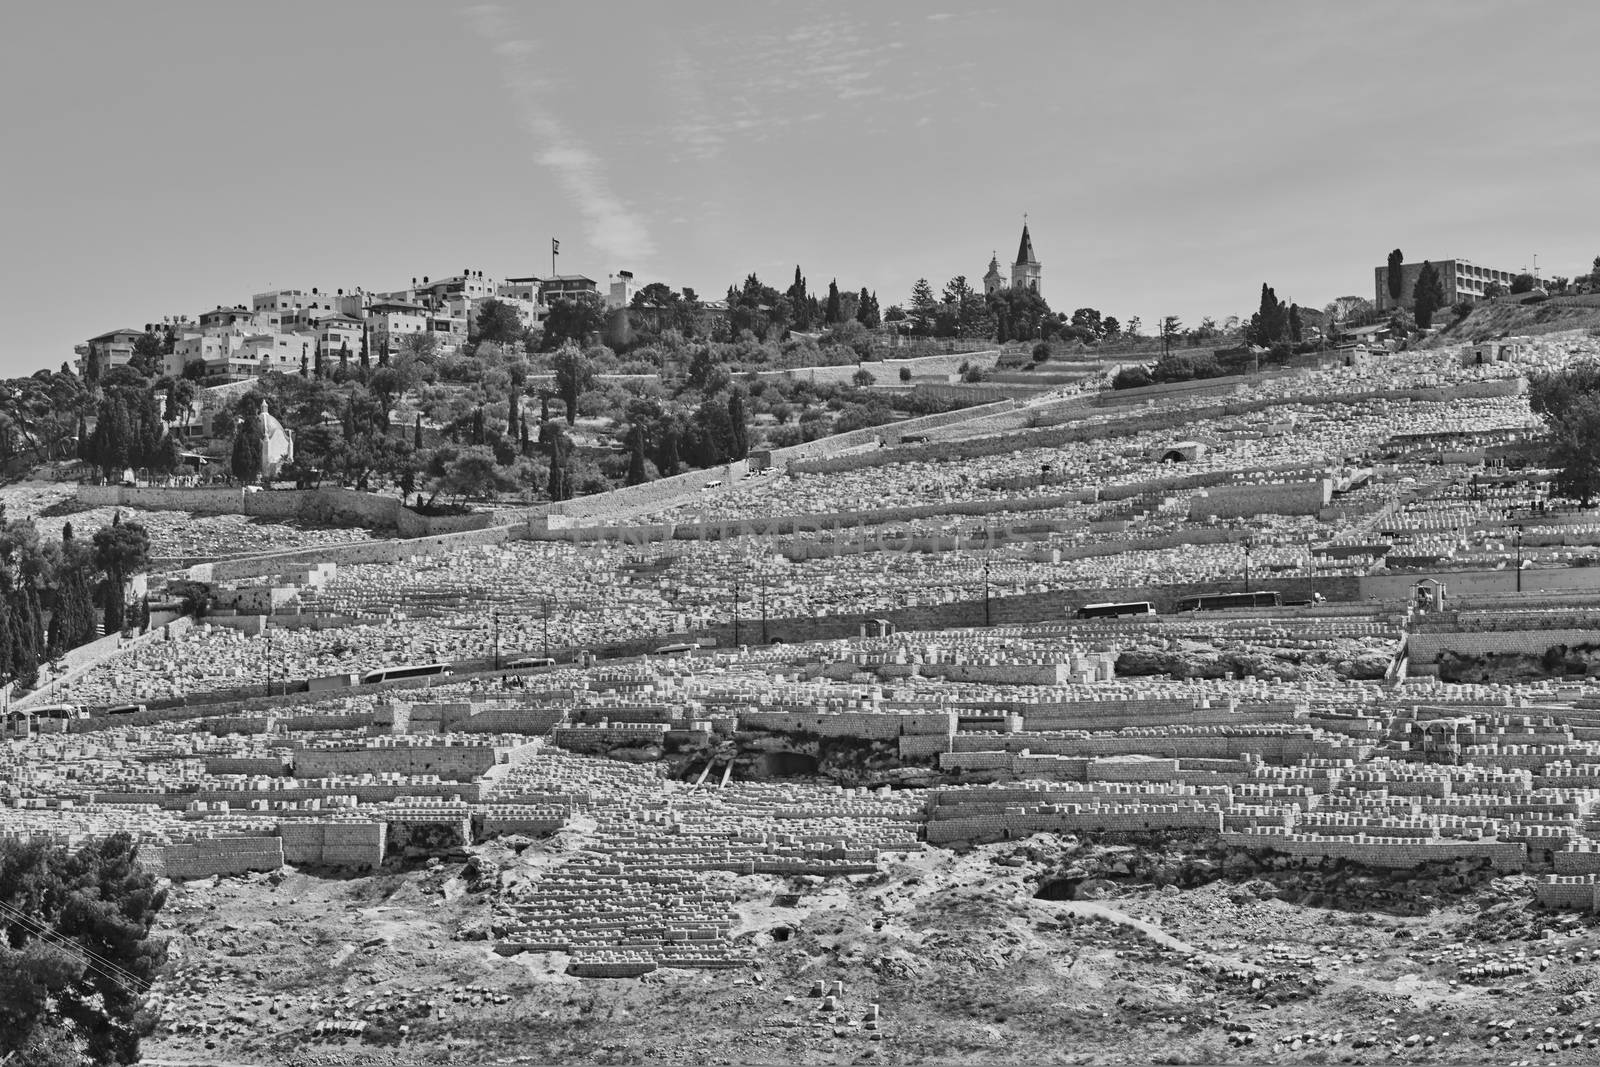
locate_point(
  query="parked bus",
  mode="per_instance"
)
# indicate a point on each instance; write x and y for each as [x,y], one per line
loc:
[416,670]
[1224,601]
[1116,611]
[675,650]
[126,709]
[531,661]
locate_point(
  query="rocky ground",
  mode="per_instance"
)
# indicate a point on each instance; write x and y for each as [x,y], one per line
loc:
[1136,952]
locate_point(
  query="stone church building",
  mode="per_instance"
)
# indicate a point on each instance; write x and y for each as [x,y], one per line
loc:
[1025,272]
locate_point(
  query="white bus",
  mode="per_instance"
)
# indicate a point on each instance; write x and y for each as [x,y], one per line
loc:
[415,670]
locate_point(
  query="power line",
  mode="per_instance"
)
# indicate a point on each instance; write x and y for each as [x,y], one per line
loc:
[91,960]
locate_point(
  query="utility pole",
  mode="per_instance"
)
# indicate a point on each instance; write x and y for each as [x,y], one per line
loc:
[266,631]
[494,617]
[986,590]
[736,610]
[1519,559]
[546,601]
[765,640]
[1247,547]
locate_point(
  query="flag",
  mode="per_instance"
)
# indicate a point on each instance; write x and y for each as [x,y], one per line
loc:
[555,247]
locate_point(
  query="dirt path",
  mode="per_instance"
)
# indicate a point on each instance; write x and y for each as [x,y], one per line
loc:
[1085,909]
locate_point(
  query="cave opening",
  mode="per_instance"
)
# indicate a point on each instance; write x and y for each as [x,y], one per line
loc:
[788,765]
[1058,889]
[781,933]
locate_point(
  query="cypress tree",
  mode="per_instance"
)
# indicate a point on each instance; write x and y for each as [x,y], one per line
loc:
[831,315]
[24,641]
[741,435]
[636,474]
[246,458]
[344,357]
[1396,258]
[560,489]
[1426,295]
[116,611]
[667,462]
[416,437]
[8,661]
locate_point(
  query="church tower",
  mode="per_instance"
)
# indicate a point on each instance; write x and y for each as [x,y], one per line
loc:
[1026,271]
[994,281]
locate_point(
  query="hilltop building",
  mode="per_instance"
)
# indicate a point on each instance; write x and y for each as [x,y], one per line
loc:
[1026,273]
[1461,280]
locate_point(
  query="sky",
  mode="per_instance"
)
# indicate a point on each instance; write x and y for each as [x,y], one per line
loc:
[166,157]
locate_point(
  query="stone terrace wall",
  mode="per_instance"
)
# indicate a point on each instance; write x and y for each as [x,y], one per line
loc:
[212,856]
[887,371]
[892,433]
[327,505]
[663,492]
[275,563]
[1237,501]
[1155,418]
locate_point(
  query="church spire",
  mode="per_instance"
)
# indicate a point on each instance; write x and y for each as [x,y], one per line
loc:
[1025,249]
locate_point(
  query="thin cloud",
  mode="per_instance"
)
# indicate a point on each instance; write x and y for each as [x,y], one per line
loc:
[609,224]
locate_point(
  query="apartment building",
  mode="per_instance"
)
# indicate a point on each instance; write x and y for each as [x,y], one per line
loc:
[113,348]
[1461,280]
[337,331]
[391,321]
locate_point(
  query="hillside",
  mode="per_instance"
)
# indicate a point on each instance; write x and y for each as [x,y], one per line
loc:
[1489,321]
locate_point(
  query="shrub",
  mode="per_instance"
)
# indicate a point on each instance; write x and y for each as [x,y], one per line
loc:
[1041,351]
[905,374]
[1132,378]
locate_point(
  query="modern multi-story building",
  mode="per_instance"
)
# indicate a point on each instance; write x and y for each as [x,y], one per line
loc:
[335,332]
[111,349]
[391,321]
[562,285]
[1461,279]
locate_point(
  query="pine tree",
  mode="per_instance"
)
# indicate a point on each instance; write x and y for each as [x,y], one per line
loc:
[922,307]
